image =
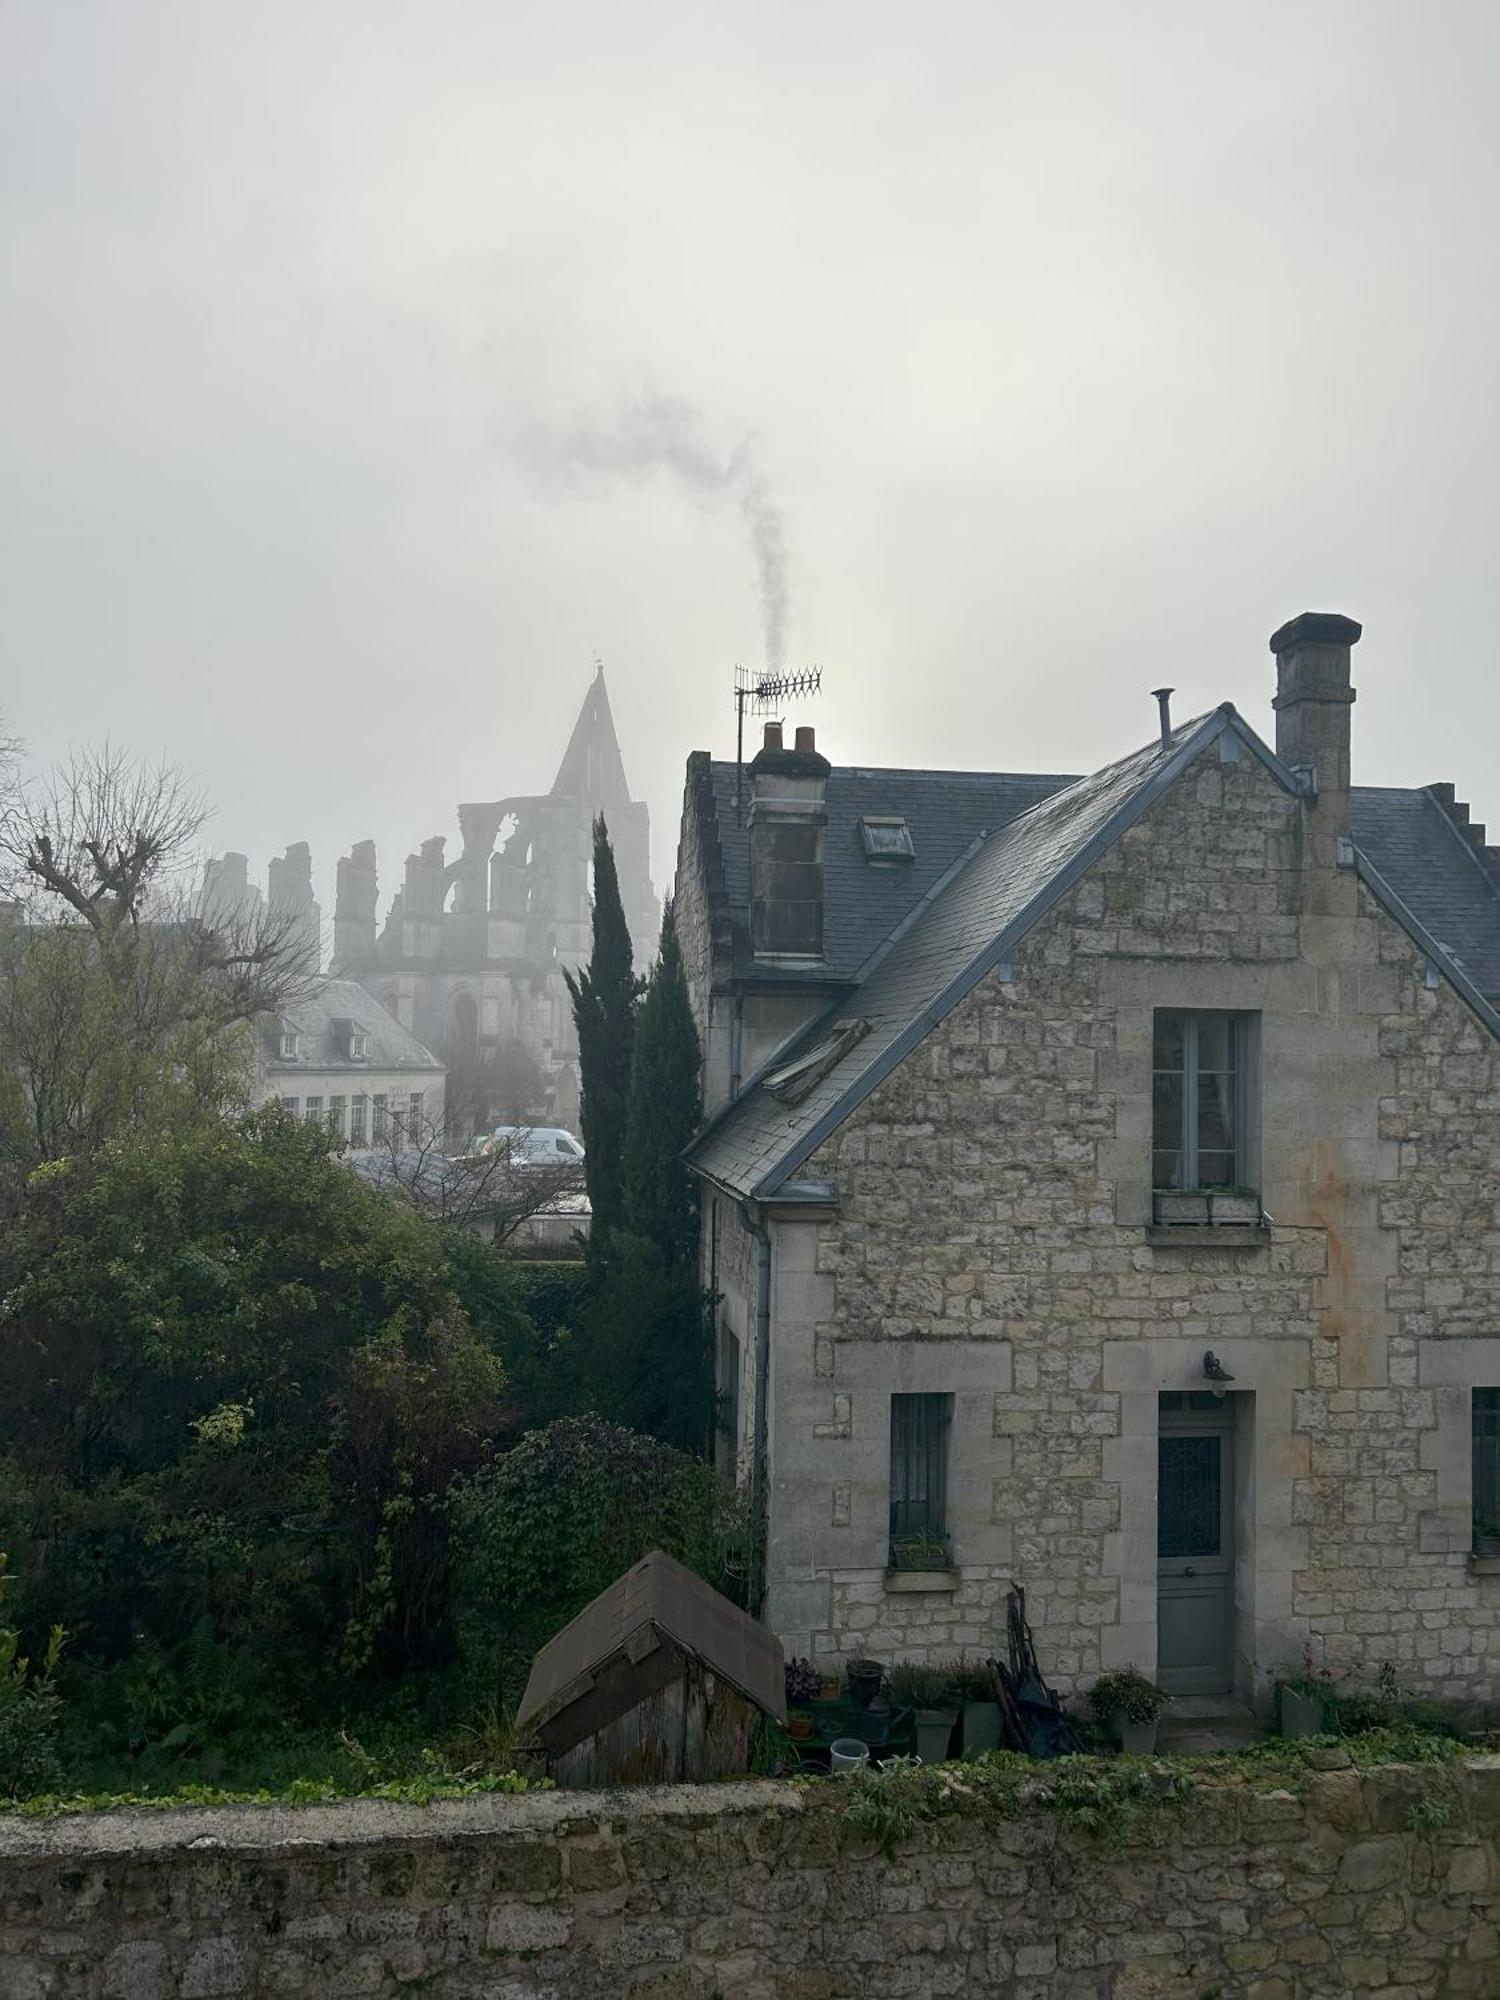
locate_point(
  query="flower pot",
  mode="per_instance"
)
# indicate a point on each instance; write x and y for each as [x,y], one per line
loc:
[1301,1714]
[982,1727]
[935,1733]
[865,1677]
[873,1724]
[799,1725]
[1136,1739]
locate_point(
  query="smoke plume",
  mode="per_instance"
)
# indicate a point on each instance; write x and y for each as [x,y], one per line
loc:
[652,433]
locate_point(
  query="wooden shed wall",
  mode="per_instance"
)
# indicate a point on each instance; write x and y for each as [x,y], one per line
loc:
[695,1728]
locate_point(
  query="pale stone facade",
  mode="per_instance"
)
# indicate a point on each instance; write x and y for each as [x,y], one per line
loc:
[980,1225]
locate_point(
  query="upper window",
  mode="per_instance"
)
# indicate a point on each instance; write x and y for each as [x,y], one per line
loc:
[1200,1123]
[919,1481]
[786,892]
[291,1044]
[1486,1422]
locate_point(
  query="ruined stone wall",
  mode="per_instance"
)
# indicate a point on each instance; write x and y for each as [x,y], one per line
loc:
[994,1241]
[757,1892]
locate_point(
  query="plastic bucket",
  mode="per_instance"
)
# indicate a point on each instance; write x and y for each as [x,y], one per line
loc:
[847,1754]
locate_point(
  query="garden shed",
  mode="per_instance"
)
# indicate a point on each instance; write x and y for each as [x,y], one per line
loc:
[661,1678]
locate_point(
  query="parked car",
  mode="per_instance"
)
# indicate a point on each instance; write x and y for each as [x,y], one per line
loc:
[533,1145]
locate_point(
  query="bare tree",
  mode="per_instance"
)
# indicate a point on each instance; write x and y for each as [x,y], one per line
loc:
[120,997]
[494,1193]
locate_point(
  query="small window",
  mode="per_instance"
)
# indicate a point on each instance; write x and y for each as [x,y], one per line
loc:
[1486,1423]
[886,840]
[312,1110]
[1200,1099]
[919,1481]
[289,1106]
[336,1117]
[786,899]
[357,1120]
[382,1120]
[359,1044]
[414,1116]
[291,1044]
[796,1080]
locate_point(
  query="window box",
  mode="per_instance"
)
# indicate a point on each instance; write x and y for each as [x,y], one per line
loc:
[1206,1208]
[919,1582]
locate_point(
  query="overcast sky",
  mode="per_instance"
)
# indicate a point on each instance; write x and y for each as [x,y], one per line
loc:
[1075,347]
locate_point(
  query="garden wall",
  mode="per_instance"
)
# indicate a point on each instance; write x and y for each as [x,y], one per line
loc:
[1380,1885]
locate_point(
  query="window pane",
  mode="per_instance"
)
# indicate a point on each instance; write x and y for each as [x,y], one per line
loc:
[1187,1518]
[1168,1047]
[1217,1038]
[1166,1129]
[1486,1407]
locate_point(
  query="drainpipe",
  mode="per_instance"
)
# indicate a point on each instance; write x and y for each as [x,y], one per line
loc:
[755,1224]
[735,1034]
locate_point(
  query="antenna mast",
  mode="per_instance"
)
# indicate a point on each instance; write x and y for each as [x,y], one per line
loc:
[763,694]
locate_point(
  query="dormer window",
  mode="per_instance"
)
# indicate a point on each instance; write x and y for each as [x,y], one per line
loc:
[291,1043]
[351,1040]
[886,840]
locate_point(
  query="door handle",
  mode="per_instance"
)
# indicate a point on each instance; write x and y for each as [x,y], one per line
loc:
[1190,1571]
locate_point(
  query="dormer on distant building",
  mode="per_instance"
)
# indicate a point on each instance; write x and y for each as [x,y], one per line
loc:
[337,1058]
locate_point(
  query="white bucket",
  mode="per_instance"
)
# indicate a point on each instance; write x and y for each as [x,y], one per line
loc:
[846,1754]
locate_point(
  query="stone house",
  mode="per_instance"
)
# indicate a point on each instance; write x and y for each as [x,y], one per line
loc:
[1101,1181]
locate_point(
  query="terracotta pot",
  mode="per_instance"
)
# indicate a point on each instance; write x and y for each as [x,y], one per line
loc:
[799,1726]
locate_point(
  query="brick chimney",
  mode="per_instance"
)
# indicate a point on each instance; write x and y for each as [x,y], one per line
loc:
[1313,699]
[787,818]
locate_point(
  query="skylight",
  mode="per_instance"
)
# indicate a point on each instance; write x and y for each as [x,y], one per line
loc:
[886,839]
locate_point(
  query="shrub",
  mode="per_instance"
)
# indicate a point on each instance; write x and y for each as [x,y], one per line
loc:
[552,1523]
[914,1686]
[29,1710]
[1128,1696]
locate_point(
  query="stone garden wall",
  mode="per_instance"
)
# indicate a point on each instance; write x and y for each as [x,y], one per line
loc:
[1375,1885]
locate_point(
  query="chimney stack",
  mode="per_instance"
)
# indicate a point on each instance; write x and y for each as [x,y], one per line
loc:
[1313,699]
[787,818]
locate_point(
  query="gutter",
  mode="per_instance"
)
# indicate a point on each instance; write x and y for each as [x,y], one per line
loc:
[753,1219]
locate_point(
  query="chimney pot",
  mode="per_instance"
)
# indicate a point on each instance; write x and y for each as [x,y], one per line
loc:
[772,737]
[806,738]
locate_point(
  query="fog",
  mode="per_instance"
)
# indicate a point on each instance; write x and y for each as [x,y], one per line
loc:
[369,369]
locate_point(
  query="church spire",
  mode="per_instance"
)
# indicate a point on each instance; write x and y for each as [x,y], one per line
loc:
[592,767]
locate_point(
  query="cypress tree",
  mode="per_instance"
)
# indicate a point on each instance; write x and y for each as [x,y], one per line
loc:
[660,1200]
[604,995]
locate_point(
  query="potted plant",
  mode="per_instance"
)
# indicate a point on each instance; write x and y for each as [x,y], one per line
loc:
[1303,1699]
[978,1695]
[802,1683]
[921,1552]
[931,1692]
[1130,1707]
[865,1677]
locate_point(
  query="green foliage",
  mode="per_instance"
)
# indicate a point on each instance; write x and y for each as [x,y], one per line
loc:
[645,1346]
[660,1197]
[29,1709]
[1427,1814]
[916,1686]
[546,1528]
[1128,1696]
[235,1386]
[604,997]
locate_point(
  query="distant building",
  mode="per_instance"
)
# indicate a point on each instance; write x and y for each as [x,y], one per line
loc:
[337,1058]
[472,951]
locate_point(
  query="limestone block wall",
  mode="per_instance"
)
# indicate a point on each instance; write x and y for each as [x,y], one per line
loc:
[1343,1891]
[993,1240]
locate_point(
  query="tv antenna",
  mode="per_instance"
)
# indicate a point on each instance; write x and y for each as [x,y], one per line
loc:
[763,694]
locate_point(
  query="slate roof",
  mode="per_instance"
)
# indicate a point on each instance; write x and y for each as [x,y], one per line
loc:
[660,1593]
[863,902]
[391,1047]
[1436,873]
[987,900]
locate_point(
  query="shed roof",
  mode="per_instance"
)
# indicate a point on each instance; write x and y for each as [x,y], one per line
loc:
[658,1592]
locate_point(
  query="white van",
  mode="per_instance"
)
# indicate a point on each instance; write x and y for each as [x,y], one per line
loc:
[533,1145]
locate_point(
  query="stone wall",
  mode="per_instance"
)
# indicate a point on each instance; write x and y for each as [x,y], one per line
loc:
[993,1240]
[757,1892]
